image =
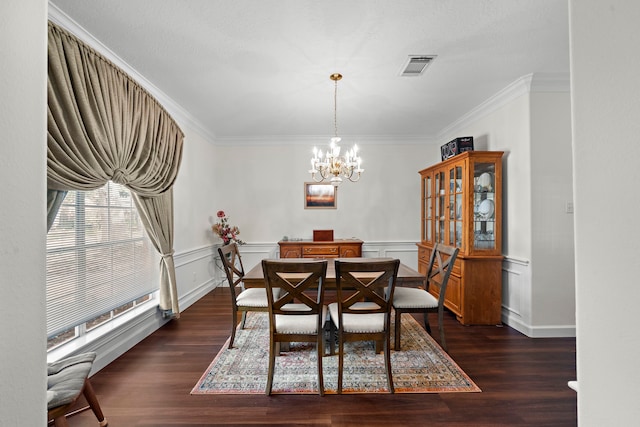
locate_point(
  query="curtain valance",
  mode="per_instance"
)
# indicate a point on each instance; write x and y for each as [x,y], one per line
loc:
[103,126]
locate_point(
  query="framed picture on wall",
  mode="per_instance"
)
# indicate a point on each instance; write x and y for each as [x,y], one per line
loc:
[320,196]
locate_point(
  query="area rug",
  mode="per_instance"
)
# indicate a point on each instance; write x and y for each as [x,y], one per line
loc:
[420,367]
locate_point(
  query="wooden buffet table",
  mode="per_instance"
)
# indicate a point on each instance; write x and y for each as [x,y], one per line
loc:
[339,248]
[407,276]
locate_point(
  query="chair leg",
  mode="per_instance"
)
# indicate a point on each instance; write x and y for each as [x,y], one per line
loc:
[332,339]
[272,362]
[426,322]
[234,325]
[443,343]
[320,356]
[340,361]
[92,400]
[387,360]
[61,422]
[244,319]
[398,326]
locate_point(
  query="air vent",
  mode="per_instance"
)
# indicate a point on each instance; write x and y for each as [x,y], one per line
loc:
[416,65]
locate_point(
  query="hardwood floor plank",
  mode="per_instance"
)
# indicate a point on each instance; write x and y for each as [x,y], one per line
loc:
[523,382]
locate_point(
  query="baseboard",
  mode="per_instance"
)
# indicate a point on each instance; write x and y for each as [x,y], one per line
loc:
[546,331]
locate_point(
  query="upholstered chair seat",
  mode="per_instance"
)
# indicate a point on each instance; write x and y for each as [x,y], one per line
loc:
[67,380]
[404,298]
[303,325]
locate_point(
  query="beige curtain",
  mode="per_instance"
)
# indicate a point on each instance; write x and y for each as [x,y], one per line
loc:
[157,217]
[103,126]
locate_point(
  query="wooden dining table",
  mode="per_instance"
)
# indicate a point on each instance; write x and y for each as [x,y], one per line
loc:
[407,276]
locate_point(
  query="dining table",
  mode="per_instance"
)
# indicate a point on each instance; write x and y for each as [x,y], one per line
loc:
[407,276]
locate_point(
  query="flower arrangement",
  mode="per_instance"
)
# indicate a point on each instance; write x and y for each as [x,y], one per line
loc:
[228,233]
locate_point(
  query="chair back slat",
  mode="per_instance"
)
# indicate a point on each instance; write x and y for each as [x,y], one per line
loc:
[371,281]
[441,264]
[299,283]
[233,268]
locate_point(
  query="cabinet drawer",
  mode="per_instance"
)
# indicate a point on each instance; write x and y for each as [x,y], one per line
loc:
[350,251]
[289,251]
[423,254]
[326,250]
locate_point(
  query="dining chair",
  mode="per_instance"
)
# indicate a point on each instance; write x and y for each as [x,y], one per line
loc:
[298,313]
[363,308]
[242,300]
[415,300]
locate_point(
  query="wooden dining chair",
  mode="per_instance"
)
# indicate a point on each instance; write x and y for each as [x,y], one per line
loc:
[363,309]
[415,300]
[242,300]
[298,313]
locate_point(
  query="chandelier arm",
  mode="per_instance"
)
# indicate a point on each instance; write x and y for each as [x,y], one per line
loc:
[355,180]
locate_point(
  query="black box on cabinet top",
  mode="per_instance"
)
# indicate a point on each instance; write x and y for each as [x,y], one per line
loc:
[456,146]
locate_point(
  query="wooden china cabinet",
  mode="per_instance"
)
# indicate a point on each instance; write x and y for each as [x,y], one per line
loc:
[461,205]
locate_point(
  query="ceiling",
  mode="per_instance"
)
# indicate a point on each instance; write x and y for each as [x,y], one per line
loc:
[260,68]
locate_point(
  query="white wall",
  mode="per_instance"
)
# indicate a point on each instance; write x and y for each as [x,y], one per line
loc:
[530,122]
[606,127]
[23,213]
[553,276]
[502,124]
[194,194]
[195,190]
[263,191]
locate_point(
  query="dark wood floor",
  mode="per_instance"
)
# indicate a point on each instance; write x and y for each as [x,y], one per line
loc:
[523,382]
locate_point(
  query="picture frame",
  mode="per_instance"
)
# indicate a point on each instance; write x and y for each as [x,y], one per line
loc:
[320,196]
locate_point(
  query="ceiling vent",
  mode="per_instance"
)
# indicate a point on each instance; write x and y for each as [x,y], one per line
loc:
[416,64]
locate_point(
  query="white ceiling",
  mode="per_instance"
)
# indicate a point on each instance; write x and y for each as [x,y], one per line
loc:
[260,68]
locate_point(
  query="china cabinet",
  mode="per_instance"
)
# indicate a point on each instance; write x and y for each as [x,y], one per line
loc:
[461,205]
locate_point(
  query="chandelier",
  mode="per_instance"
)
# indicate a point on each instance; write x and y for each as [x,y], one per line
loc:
[335,166]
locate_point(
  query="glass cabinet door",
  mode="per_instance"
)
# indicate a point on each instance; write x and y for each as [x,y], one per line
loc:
[455,206]
[427,208]
[484,204]
[441,211]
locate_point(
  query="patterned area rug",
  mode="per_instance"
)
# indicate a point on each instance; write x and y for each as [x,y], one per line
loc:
[421,367]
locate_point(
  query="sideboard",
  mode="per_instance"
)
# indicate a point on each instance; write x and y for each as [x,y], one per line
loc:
[339,248]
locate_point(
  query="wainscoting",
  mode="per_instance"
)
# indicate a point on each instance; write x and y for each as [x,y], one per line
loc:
[198,272]
[518,303]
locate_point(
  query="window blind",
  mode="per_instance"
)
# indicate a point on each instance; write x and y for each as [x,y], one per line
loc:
[98,257]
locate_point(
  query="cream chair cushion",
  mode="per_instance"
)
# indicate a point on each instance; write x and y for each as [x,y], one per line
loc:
[299,324]
[413,298]
[359,323]
[254,297]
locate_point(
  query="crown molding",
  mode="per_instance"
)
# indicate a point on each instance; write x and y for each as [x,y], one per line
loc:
[324,139]
[530,83]
[58,17]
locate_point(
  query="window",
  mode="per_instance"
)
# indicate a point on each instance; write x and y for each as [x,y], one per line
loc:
[100,262]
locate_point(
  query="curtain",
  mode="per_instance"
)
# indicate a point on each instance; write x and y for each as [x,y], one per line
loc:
[101,126]
[54,201]
[156,214]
